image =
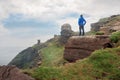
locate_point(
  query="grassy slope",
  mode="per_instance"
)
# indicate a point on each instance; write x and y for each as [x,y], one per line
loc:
[52,55]
[102,64]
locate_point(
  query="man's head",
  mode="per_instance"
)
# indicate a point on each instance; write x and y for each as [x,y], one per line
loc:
[81,15]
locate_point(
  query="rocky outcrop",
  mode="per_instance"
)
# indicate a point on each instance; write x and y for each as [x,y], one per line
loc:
[107,25]
[12,73]
[79,47]
[28,58]
[96,26]
[66,33]
[110,29]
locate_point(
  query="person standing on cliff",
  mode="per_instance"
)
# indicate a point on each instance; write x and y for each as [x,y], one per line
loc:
[81,23]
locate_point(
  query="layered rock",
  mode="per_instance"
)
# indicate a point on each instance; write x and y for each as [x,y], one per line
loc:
[12,73]
[79,47]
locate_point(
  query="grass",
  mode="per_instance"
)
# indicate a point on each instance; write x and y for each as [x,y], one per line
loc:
[90,33]
[101,65]
[47,73]
[115,37]
[106,63]
[99,33]
[52,55]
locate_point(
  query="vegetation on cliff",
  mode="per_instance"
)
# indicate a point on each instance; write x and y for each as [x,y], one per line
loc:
[102,64]
[52,55]
[115,37]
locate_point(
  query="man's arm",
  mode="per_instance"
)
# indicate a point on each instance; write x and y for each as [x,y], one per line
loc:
[84,21]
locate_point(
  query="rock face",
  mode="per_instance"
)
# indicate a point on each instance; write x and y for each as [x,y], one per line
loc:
[12,73]
[79,47]
[66,33]
[96,26]
[110,29]
[27,58]
[107,25]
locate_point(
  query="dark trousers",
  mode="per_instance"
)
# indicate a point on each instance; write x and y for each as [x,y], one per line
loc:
[81,29]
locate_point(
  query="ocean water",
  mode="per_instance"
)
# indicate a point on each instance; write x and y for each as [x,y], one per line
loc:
[8,53]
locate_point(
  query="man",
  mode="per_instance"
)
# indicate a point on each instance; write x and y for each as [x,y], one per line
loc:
[81,23]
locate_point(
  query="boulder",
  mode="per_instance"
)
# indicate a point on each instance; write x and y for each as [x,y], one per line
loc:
[12,73]
[79,47]
[66,33]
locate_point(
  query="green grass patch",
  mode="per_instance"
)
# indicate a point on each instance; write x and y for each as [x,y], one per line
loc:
[106,63]
[47,73]
[52,55]
[115,37]
[90,33]
[99,33]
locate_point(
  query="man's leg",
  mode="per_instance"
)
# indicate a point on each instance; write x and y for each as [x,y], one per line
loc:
[83,31]
[79,30]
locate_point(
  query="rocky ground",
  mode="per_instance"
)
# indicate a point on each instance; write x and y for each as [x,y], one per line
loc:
[12,73]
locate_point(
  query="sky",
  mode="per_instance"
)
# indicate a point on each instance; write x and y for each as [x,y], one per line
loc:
[23,22]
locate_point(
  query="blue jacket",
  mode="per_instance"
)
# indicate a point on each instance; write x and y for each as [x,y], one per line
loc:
[81,21]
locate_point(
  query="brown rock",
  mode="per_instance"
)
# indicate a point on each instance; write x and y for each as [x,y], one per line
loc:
[12,73]
[79,47]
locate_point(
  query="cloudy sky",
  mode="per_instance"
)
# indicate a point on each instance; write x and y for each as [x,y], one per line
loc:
[23,22]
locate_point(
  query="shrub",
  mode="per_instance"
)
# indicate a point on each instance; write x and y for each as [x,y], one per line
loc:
[115,37]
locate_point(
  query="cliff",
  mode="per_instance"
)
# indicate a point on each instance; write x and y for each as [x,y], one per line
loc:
[29,57]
